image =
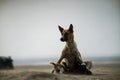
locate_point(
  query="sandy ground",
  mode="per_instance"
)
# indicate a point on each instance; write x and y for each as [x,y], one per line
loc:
[101,71]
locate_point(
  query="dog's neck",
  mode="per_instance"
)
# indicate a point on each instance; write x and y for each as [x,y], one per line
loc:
[71,44]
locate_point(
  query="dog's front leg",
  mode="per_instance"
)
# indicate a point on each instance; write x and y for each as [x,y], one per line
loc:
[59,61]
[61,57]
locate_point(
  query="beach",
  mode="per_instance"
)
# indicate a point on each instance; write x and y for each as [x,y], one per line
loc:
[101,71]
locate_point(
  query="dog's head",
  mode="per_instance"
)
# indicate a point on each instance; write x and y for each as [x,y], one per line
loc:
[58,68]
[67,34]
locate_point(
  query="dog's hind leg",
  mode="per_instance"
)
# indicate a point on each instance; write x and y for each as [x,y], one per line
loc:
[88,64]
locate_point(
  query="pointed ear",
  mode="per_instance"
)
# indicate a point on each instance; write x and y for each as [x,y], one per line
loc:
[52,63]
[71,28]
[60,28]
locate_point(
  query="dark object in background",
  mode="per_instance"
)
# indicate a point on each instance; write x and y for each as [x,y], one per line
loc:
[6,62]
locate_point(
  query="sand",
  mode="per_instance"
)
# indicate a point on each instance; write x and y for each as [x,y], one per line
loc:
[101,71]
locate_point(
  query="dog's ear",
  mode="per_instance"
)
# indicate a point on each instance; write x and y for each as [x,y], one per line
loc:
[60,28]
[71,28]
[52,63]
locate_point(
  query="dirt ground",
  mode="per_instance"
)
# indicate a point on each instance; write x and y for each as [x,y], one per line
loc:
[101,71]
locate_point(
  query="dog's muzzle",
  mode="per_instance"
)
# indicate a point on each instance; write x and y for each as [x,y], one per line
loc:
[63,39]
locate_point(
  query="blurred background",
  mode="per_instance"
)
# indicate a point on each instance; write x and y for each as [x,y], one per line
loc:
[29,29]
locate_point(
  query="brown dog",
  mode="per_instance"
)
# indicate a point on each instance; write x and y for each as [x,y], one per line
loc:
[58,68]
[70,53]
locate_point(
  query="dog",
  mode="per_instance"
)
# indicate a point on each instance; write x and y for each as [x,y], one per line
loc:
[58,68]
[70,54]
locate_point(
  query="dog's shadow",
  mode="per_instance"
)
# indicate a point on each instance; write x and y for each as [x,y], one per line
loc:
[93,74]
[99,74]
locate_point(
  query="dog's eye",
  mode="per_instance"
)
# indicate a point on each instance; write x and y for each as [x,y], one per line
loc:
[66,34]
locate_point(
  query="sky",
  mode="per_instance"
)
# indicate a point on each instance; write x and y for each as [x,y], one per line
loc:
[29,28]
